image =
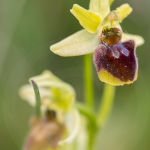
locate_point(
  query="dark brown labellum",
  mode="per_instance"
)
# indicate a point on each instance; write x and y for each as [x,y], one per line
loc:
[115,62]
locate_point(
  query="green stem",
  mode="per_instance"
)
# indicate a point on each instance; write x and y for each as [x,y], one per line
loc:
[88,81]
[37,97]
[106,105]
[89,100]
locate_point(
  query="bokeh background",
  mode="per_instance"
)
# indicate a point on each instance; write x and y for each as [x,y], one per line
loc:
[27,29]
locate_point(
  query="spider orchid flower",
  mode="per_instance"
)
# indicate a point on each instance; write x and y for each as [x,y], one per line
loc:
[60,120]
[114,51]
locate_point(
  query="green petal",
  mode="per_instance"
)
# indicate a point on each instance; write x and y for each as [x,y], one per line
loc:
[88,19]
[123,11]
[102,7]
[138,39]
[80,43]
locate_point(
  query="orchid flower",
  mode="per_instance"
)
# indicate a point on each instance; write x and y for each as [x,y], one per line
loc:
[114,51]
[56,96]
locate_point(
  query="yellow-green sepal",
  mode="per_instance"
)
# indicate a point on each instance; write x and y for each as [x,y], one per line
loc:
[80,43]
[88,19]
[102,7]
[55,94]
[62,94]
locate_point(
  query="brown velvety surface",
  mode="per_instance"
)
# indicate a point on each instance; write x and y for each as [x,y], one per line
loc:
[112,58]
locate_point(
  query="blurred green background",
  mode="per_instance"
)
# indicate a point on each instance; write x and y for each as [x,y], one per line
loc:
[27,29]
